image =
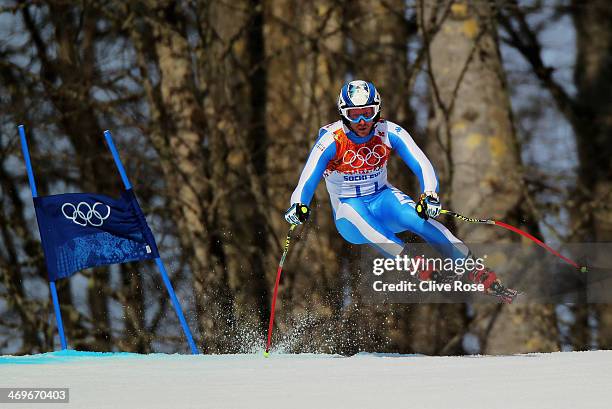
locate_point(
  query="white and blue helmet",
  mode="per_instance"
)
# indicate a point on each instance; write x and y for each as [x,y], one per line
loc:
[359,94]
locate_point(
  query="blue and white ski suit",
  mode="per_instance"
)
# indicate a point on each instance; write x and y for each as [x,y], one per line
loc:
[367,209]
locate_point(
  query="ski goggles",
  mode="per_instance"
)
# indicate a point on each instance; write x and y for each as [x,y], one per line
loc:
[356,114]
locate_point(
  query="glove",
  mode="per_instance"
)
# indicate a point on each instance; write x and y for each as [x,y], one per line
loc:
[297,214]
[428,205]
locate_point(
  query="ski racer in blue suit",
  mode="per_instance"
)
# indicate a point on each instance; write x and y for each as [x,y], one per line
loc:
[352,154]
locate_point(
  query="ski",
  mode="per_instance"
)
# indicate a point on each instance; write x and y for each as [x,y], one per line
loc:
[505,294]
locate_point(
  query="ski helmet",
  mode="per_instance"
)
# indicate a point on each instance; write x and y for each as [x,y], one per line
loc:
[359,94]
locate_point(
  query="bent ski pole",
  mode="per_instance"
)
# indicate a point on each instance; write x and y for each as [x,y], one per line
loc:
[278,275]
[583,269]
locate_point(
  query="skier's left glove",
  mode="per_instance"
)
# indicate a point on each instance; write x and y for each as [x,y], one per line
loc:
[297,214]
[428,205]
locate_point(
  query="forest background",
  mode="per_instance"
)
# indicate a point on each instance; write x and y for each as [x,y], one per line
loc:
[215,105]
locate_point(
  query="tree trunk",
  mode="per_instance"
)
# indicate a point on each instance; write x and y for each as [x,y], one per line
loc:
[181,143]
[593,217]
[237,99]
[304,79]
[74,68]
[473,126]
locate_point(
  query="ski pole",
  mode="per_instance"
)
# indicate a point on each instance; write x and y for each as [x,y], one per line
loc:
[582,269]
[278,275]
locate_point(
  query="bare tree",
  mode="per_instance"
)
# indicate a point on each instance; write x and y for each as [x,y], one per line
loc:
[588,112]
[473,127]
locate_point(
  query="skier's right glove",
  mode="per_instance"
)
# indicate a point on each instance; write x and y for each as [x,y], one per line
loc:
[297,214]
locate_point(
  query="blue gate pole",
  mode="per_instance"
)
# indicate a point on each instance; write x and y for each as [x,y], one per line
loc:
[158,260]
[56,305]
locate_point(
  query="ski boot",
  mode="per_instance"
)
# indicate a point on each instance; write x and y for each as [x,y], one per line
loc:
[492,285]
[433,275]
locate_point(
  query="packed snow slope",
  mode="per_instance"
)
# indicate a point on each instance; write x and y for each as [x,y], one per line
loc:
[576,380]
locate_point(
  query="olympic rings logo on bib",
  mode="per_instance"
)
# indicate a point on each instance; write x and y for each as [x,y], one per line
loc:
[364,156]
[84,214]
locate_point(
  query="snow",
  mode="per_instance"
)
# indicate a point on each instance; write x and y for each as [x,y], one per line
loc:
[576,380]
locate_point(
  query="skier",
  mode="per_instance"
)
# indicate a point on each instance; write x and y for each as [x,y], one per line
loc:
[352,155]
